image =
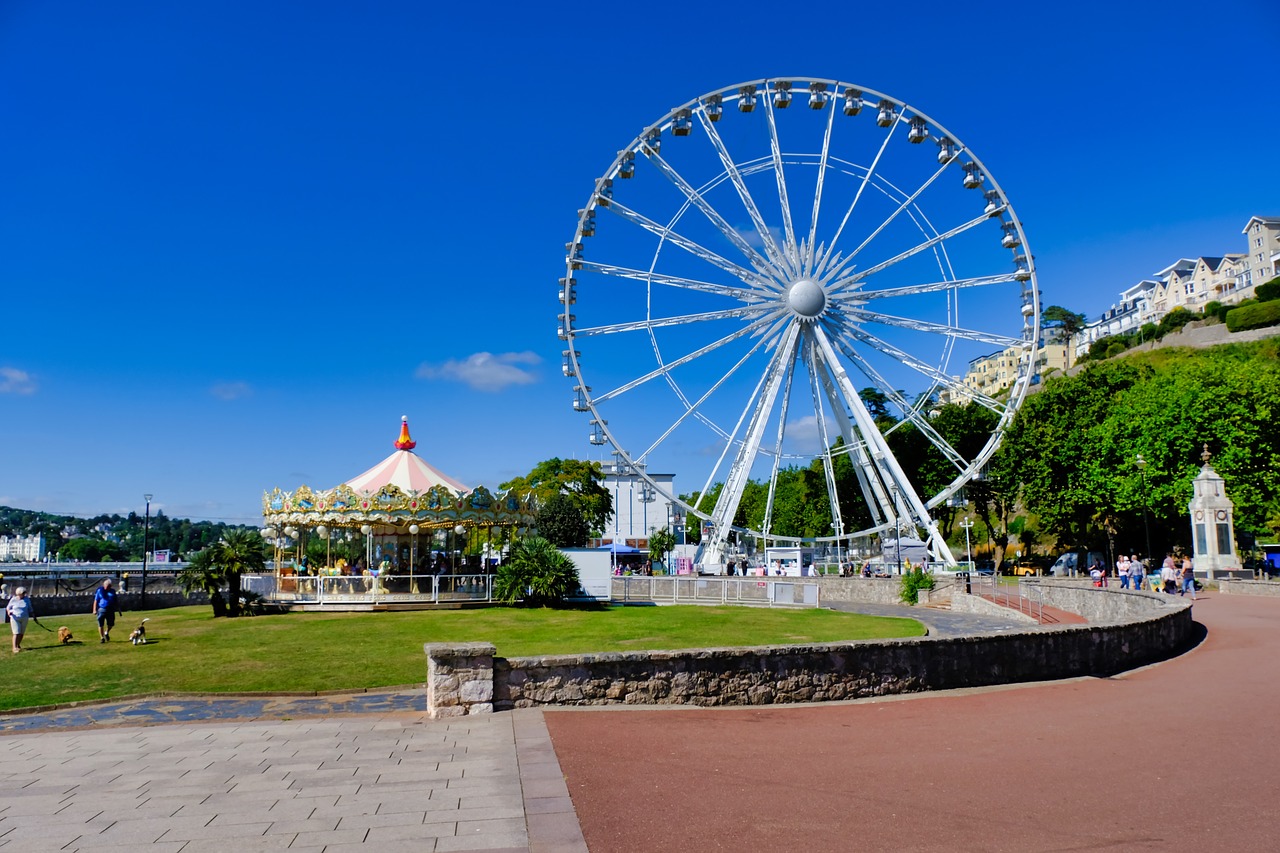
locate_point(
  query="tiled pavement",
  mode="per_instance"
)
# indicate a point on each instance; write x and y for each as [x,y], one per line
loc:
[397,781]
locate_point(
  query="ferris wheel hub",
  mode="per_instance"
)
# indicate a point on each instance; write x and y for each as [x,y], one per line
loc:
[806,298]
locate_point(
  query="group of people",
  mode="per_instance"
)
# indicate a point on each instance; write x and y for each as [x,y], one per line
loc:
[1177,574]
[18,612]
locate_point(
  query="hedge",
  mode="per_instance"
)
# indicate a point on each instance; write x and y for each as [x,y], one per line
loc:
[1254,316]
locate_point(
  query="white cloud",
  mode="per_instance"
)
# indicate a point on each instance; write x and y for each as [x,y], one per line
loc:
[485,371]
[802,436]
[228,391]
[753,239]
[14,381]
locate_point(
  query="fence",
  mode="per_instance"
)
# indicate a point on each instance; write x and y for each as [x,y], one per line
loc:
[762,592]
[366,589]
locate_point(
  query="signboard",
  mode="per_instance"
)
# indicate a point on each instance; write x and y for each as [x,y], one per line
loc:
[160,557]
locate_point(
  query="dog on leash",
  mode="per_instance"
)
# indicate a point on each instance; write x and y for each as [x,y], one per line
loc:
[64,635]
[139,635]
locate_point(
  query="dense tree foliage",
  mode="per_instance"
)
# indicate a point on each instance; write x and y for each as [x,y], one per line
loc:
[1074,444]
[115,537]
[578,479]
[560,521]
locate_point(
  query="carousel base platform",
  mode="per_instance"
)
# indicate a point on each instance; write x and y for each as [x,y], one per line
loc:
[331,606]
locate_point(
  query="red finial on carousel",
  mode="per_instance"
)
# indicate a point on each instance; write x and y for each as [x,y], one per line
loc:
[404,442]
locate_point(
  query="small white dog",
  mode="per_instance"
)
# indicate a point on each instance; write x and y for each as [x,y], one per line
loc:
[139,635]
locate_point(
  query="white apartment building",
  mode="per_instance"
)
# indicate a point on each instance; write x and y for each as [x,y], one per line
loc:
[1133,310]
[22,549]
[637,506]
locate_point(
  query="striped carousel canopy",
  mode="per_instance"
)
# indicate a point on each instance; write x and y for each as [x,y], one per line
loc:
[406,470]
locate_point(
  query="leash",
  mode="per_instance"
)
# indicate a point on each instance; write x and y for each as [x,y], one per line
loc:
[41,624]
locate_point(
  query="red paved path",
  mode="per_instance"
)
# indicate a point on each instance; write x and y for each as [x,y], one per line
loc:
[1178,756]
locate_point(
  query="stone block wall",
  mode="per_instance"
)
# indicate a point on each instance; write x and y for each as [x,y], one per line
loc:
[1242,587]
[70,605]
[459,679]
[1125,630]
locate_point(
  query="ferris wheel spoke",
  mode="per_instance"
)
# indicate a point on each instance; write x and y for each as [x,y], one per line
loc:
[1002,341]
[693,408]
[871,170]
[950,382]
[742,294]
[859,296]
[754,327]
[697,200]
[693,248]
[910,412]
[771,247]
[907,202]
[685,319]
[782,433]
[855,446]
[820,414]
[758,407]
[810,252]
[776,148]
[841,284]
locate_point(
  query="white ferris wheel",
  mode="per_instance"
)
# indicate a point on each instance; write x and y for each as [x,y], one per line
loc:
[756,257]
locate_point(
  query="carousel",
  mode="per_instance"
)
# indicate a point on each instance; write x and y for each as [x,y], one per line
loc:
[402,532]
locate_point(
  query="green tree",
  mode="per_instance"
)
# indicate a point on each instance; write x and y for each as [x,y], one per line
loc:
[536,572]
[661,543]
[578,479]
[560,521]
[201,575]
[1064,323]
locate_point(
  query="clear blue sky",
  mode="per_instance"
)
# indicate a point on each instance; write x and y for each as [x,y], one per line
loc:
[239,240]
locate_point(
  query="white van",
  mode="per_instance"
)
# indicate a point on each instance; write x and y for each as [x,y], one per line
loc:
[1074,563]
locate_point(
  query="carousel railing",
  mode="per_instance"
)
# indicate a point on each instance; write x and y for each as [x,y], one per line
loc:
[374,589]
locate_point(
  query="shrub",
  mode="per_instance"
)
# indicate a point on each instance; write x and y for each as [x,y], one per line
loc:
[1254,316]
[1173,321]
[1115,348]
[1216,310]
[913,581]
[536,572]
[1268,290]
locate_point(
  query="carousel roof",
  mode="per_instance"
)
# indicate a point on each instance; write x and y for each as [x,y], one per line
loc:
[404,469]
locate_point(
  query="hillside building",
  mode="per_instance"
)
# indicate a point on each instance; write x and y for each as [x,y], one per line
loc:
[22,549]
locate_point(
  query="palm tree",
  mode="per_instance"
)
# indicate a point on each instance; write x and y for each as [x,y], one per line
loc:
[201,575]
[536,572]
[240,551]
[222,563]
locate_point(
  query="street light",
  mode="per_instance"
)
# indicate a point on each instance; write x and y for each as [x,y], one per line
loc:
[967,524]
[146,528]
[1146,524]
[897,526]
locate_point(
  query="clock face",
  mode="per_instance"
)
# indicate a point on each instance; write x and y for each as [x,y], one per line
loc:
[1199,515]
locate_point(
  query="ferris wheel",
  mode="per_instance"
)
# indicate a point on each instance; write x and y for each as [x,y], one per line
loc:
[763,257]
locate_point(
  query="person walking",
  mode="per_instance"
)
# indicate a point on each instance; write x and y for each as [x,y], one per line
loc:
[1122,571]
[19,612]
[105,605]
[1136,572]
[1188,578]
[1169,575]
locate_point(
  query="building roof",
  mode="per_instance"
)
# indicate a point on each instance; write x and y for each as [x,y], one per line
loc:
[1265,220]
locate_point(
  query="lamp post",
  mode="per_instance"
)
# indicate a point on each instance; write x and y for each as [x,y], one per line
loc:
[413,558]
[146,529]
[367,530]
[1146,524]
[897,527]
[967,524]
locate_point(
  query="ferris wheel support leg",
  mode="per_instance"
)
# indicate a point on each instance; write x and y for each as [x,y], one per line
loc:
[740,472]
[887,468]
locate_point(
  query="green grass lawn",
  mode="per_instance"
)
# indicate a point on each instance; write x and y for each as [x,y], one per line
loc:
[299,652]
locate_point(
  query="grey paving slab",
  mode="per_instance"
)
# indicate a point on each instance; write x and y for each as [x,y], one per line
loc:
[393,778]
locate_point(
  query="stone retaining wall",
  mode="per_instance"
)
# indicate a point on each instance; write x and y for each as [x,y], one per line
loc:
[962,603]
[1242,587]
[861,590]
[1154,628]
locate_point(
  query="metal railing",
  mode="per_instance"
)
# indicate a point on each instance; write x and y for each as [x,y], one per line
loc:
[368,589]
[1028,599]
[763,592]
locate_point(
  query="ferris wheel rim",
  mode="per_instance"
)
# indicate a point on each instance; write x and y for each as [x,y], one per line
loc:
[638,464]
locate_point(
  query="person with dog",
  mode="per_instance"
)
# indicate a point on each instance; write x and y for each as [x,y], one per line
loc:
[19,611]
[105,605]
